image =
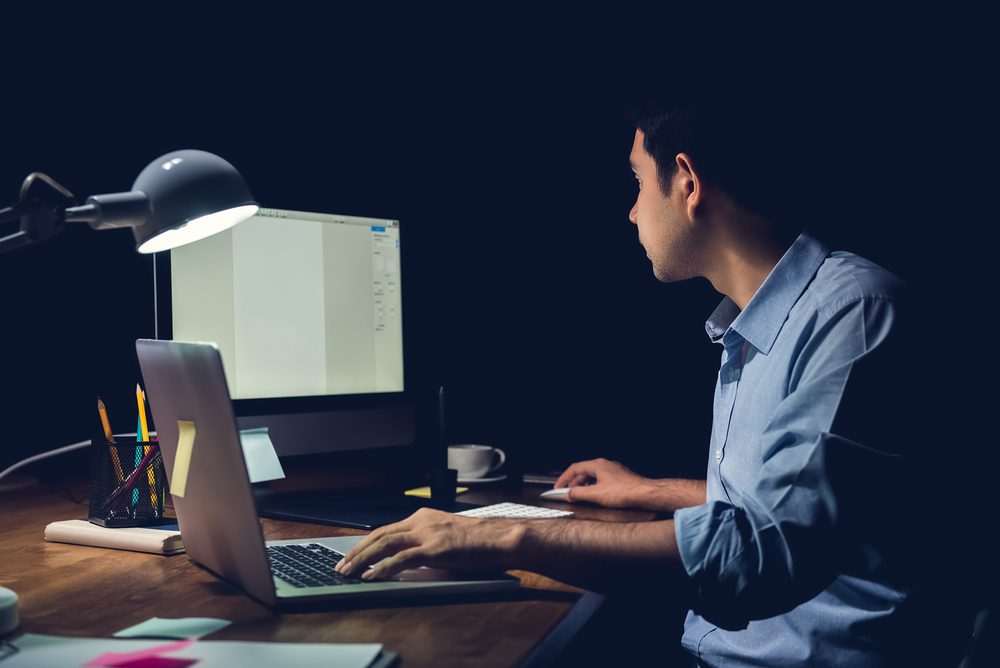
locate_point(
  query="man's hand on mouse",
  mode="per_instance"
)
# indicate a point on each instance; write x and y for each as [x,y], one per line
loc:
[605,483]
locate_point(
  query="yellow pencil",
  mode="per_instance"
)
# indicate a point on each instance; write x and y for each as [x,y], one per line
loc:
[140,399]
[102,411]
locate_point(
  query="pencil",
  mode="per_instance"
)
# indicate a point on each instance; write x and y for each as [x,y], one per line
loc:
[140,399]
[102,411]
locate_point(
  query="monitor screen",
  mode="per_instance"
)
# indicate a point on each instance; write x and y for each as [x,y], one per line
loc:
[300,304]
[306,310]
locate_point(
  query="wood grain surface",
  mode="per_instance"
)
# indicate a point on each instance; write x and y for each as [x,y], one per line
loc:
[77,590]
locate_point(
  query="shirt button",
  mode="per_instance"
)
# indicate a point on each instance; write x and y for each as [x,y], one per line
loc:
[718,453]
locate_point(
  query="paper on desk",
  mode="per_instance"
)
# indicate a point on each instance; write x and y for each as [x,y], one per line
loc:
[58,652]
[185,627]
[258,451]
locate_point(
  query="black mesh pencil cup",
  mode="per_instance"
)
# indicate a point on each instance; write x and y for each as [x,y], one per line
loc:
[126,483]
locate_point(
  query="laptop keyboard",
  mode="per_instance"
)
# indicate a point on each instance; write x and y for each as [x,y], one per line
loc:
[307,565]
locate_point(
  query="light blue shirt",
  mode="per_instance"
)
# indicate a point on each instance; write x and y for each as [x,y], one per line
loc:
[792,556]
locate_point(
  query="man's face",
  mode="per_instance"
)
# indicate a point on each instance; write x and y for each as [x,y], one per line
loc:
[665,230]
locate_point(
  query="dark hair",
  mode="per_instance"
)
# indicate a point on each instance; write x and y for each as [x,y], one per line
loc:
[756,151]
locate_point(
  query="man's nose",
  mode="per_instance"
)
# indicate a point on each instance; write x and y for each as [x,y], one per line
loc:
[633,213]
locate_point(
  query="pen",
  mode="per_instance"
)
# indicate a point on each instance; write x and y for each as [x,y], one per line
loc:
[102,411]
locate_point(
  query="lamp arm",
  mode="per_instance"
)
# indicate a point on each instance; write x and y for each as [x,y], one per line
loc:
[37,222]
[110,211]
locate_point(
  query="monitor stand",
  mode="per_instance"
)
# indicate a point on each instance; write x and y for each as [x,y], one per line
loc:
[357,512]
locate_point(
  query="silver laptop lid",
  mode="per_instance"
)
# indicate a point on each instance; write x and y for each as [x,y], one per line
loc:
[189,399]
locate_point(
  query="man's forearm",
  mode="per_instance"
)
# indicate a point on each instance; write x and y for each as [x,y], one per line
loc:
[668,494]
[571,550]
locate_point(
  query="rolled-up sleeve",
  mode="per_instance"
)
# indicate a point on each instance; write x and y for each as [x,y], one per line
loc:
[766,550]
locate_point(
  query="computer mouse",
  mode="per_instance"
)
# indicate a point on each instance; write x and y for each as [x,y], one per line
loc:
[556,494]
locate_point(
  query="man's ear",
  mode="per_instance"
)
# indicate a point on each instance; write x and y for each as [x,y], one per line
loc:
[689,182]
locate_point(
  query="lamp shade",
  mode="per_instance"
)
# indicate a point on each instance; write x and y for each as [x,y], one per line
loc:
[192,195]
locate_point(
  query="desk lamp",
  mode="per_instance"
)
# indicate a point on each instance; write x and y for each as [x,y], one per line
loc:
[178,198]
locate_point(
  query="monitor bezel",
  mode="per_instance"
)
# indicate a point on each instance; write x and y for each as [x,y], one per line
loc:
[303,404]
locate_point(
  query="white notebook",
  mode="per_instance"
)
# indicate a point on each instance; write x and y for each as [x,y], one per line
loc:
[140,539]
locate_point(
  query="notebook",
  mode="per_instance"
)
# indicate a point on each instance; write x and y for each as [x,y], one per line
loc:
[190,402]
[158,540]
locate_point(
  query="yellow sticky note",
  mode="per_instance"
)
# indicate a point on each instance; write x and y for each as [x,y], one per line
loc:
[182,460]
[425,492]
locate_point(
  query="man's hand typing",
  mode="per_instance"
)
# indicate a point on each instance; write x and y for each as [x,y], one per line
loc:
[436,539]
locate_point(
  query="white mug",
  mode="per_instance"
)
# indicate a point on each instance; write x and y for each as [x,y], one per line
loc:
[475,461]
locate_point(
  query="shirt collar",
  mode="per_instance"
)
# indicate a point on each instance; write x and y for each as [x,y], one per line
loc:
[761,320]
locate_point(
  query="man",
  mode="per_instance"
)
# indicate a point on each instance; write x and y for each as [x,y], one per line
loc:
[792,543]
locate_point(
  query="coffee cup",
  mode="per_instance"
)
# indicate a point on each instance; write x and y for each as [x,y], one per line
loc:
[475,461]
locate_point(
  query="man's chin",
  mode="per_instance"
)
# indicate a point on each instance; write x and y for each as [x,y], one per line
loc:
[666,276]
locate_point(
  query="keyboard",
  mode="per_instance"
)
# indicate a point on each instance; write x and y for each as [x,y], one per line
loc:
[307,565]
[515,511]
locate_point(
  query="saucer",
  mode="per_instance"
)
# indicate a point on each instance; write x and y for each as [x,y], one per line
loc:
[474,481]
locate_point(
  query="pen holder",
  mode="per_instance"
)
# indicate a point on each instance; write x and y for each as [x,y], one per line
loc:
[126,483]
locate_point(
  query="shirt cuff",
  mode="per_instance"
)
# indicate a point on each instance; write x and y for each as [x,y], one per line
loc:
[694,528]
[708,547]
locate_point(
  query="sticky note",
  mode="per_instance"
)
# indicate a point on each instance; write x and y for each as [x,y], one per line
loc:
[182,460]
[425,492]
[258,451]
[185,627]
[121,658]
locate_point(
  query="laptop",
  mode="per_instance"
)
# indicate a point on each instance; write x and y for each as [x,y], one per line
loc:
[189,399]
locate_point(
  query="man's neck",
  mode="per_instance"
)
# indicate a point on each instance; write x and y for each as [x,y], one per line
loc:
[743,261]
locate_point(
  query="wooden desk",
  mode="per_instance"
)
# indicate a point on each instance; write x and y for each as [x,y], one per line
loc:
[75,590]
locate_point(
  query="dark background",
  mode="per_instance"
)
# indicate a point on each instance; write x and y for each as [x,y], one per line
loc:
[499,140]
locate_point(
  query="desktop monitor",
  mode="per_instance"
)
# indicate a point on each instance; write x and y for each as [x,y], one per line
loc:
[306,310]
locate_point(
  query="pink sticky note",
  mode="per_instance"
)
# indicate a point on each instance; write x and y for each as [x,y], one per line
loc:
[158,662]
[128,658]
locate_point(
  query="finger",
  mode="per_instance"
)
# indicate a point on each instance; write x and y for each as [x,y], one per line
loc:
[580,493]
[373,553]
[581,480]
[386,546]
[571,472]
[352,554]
[399,562]
[371,538]
[574,471]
